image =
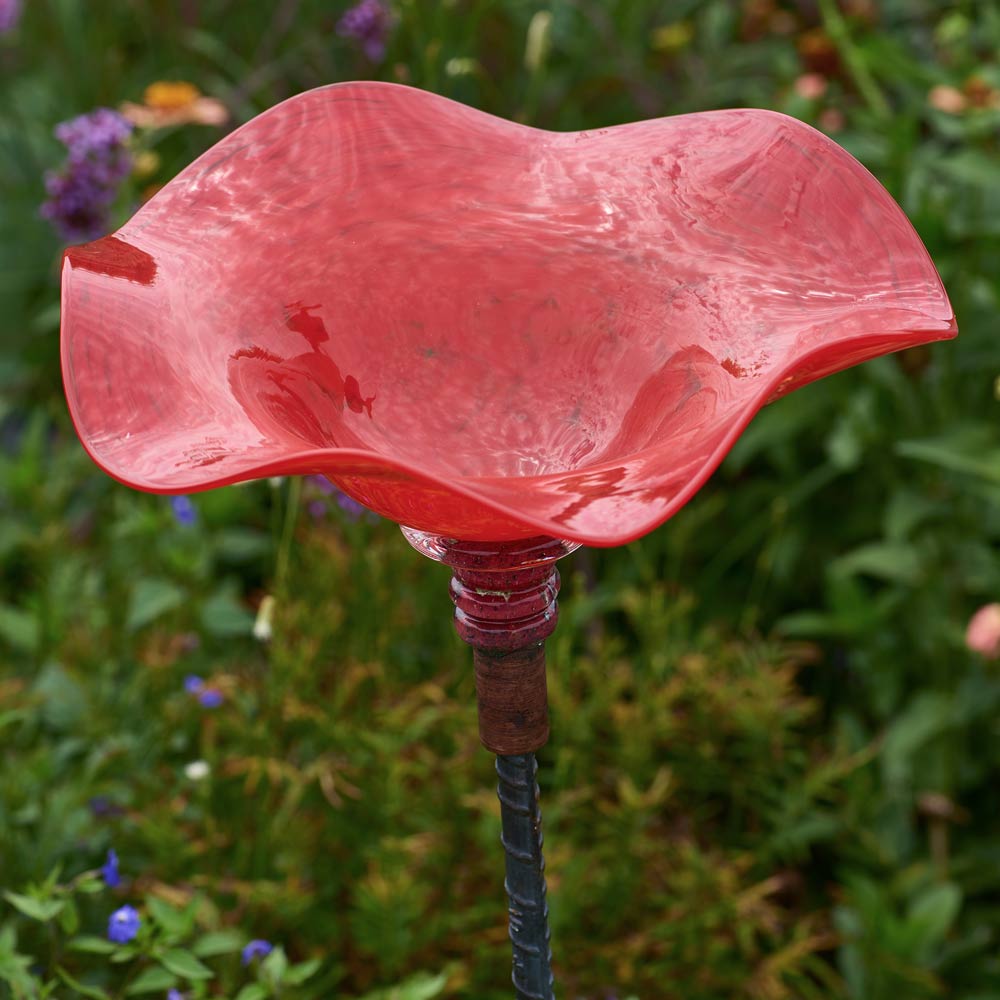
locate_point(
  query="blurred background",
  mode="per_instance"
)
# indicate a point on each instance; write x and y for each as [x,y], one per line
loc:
[776,744]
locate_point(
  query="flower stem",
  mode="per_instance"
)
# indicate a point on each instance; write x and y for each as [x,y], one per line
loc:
[836,28]
[292,504]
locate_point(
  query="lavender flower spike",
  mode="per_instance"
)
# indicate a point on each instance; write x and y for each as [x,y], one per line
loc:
[98,160]
[369,22]
[10,14]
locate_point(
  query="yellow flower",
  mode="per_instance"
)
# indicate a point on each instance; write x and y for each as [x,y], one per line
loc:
[170,95]
[672,37]
[175,102]
[145,163]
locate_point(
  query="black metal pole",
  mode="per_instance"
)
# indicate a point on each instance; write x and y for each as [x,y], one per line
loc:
[521,836]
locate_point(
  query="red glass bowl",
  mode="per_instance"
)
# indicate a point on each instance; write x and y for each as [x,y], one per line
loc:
[478,329]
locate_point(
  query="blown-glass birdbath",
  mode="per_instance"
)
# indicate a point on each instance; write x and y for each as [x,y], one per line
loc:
[510,341]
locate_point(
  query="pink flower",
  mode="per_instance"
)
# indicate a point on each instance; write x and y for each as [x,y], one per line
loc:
[811,86]
[982,634]
[950,100]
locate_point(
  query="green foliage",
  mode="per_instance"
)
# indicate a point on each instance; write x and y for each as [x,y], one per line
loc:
[160,956]
[810,815]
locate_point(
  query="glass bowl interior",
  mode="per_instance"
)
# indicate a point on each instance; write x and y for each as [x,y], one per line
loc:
[477,328]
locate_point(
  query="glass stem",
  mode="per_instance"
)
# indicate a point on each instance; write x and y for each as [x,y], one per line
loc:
[521,837]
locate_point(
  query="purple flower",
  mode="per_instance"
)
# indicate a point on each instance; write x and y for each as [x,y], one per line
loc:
[210,698]
[123,924]
[322,484]
[77,205]
[369,22]
[184,510]
[104,808]
[257,948]
[94,134]
[188,641]
[173,994]
[110,873]
[10,13]
[350,506]
[81,193]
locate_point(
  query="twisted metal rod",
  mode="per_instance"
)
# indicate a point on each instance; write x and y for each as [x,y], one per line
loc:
[521,836]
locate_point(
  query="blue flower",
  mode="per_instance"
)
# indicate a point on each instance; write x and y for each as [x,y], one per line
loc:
[123,924]
[110,873]
[184,510]
[207,697]
[210,698]
[174,995]
[257,948]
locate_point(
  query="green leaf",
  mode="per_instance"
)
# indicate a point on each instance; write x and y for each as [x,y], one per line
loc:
[811,624]
[242,544]
[90,886]
[421,987]
[176,923]
[967,449]
[14,968]
[38,909]
[184,964]
[932,914]
[218,943]
[65,700]
[92,944]
[906,511]
[275,965]
[896,562]
[12,717]
[223,615]
[152,980]
[90,992]
[924,719]
[12,535]
[971,167]
[51,880]
[69,919]
[252,991]
[150,599]
[299,973]
[19,628]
